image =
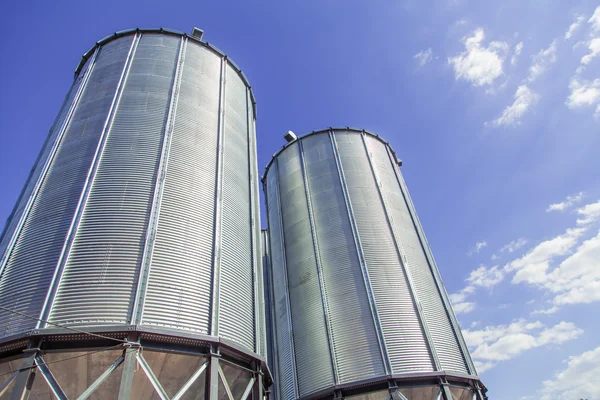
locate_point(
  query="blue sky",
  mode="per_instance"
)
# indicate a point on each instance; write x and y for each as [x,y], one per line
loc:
[494,108]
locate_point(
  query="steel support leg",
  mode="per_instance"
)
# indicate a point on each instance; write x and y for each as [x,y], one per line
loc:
[257,389]
[26,375]
[212,379]
[129,365]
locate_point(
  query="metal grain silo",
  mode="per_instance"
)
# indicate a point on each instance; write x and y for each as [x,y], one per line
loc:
[359,309]
[139,228]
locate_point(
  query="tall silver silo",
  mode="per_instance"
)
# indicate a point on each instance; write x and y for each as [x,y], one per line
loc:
[131,263]
[359,309]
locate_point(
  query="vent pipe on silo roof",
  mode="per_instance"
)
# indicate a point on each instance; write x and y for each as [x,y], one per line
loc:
[290,136]
[197,33]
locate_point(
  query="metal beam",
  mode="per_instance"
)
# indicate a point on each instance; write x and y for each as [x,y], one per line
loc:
[190,381]
[25,375]
[87,393]
[128,371]
[248,389]
[142,283]
[151,377]
[50,379]
[87,187]
[212,381]
[319,266]
[225,383]
[216,267]
[6,384]
[402,255]
[361,256]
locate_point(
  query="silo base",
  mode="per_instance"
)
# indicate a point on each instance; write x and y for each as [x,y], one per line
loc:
[143,366]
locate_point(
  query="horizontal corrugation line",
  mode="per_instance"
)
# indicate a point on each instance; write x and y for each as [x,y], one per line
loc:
[404,336]
[311,347]
[351,322]
[281,327]
[182,257]
[30,268]
[236,297]
[98,284]
[442,334]
[32,180]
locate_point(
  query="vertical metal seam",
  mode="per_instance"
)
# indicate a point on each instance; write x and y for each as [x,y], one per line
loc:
[317,252]
[253,221]
[403,260]
[159,185]
[434,269]
[286,284]
[270,293]
[47,163]
[216,267]
[361,258]
[87,187]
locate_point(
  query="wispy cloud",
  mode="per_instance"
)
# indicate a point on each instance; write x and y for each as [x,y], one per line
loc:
[574,27]
[424,56]
[496,343]
[595,20]
[565,204]
[514,245]
[594,48]
[479,64]
[478,246]
[541,61]
[584,93]
[525,99]
[517,52]
[578,380]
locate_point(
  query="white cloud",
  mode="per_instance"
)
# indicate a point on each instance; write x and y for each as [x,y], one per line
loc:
[595,20]
[589,213]
[479,65]
[484,277]
[497,343]
[518,49]
[594,47]
[525,98]
[532,267]
[494,257]
[541,61]
[577,279]
[463,308]
[514,245]
[568,202]
[584,94]
[574,27]
[579,380]
[424,56]
[478,247]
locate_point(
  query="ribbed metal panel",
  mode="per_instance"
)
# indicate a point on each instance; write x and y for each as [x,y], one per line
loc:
[29,271]
[435,313]
[178,291]
[53,139]
[311,339]
[349,314]
[404,335]
[283,339]
[100,277]
[236,294]
[269,312]
[147,200]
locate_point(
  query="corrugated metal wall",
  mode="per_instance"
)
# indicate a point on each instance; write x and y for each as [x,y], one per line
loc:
[360,287]
[128,225]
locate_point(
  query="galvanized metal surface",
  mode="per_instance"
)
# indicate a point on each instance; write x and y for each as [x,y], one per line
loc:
[351,226]
[116,224]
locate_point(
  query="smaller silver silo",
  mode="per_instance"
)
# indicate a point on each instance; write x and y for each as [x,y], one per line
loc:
[358,306]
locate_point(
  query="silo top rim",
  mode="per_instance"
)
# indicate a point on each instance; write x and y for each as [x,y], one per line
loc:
[330,129]
[166,31]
